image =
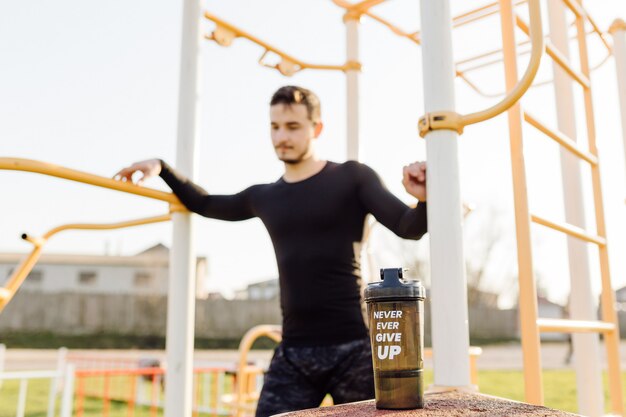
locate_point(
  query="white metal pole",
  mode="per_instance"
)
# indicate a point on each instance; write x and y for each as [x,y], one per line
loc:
[3,350]
[68,392]
[21,400]
[57,382]
[181,290]
[618,30]
[450,333]
[352,91]
[586,346]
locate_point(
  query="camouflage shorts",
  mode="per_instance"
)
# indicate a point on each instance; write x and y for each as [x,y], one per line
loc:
[300,377]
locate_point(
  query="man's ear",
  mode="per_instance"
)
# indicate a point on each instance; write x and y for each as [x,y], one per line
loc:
[318,129]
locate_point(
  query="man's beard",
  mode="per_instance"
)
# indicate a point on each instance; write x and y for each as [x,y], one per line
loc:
[295,160]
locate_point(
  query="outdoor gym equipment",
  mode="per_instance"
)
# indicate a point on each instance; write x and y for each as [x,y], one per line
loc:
[441,126]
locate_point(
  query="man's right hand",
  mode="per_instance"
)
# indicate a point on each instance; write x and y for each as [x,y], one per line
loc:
[149,168]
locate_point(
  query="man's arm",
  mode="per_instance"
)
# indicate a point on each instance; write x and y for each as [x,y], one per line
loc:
[194,198]
[406,222]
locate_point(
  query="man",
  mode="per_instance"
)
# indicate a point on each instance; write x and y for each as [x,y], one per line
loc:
[315,215]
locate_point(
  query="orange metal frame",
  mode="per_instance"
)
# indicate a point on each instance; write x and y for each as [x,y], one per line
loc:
[107,393]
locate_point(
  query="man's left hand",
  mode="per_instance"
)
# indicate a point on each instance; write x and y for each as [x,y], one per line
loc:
[414,180]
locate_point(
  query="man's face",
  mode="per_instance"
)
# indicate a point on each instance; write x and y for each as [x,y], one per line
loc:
[293,132]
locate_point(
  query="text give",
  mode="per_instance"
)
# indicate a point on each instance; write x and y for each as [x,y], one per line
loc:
[388,337]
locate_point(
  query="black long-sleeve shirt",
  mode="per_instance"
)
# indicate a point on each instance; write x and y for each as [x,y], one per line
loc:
[316,226]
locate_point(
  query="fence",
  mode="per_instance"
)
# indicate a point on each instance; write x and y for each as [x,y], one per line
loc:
[142,390]
[118,386]
[61,382]
[66,313]
[72,313]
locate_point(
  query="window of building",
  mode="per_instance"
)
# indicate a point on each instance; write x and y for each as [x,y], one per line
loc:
[87,278]
[143,279]
[35,277]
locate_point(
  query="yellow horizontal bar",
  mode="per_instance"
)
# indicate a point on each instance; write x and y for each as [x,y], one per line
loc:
[497,61]
[29,165]
[107,226]
[570,230]
[574,326]
[488,54]
[474,87]
[413,37]
[355,11]
[301,64]
[475,14]
[561,139]
[562,61]
[557,56]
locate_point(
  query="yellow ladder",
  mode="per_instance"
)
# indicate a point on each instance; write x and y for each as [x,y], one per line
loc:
[531,324]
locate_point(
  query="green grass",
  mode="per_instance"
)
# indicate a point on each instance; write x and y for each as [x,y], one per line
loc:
[559,387]
[559,391]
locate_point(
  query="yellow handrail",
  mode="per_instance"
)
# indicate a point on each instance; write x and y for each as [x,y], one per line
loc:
[569,229]
[561,139]
[225,33]
[106,226]
[29,165]
[242,393]
[574,326]
[454,121]
[25,267]
[557,56]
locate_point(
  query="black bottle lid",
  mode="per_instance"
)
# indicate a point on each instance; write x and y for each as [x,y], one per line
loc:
[393,286]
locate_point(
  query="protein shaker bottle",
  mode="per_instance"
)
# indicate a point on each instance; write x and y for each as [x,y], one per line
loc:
[395,308]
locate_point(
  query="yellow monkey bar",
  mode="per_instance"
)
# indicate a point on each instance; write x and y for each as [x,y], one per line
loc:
[225,33]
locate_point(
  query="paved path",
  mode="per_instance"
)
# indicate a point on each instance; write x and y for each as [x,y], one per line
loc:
[493,357]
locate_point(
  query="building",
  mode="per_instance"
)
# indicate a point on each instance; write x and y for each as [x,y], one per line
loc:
[264,290]
[142,274]
[547,309]
[620,299]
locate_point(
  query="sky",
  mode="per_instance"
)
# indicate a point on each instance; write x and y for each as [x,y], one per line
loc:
[93,86]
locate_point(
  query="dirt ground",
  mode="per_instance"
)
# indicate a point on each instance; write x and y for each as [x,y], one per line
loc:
[507,356]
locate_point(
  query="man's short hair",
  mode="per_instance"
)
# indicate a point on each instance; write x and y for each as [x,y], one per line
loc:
[290,95]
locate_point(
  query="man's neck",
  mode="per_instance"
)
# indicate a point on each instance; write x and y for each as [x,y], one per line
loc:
[303,169]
